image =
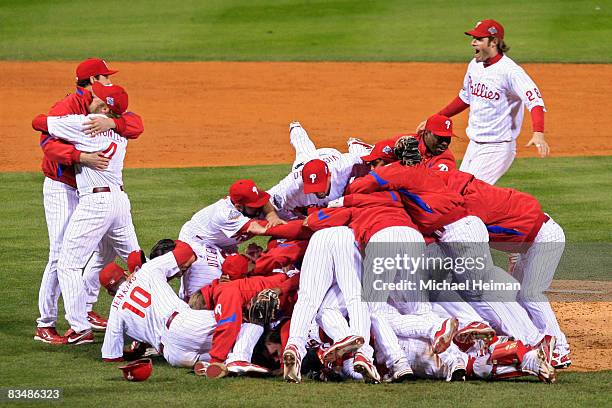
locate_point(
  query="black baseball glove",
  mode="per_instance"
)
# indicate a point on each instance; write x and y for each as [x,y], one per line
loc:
[264,307]
[407,151]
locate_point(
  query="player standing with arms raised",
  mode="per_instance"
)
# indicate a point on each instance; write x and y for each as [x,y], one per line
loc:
[496,90]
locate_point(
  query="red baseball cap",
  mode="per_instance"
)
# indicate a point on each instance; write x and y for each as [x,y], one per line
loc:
[113,95]
[315,175]
[382,150]
[235,266]
[92,67]
[135,260]
[440,125]
[138,370]
[487,28]
[110,275]
[245,192]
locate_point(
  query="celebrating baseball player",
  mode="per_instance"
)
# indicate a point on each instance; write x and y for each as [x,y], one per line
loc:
[103,210]
[60,193]
[496,90]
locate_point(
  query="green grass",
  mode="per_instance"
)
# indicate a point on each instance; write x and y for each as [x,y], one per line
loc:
[285,30]
[573,190]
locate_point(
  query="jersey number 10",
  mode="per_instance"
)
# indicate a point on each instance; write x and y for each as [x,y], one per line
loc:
[141,297]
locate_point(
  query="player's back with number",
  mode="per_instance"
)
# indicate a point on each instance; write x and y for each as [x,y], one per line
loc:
[142,305]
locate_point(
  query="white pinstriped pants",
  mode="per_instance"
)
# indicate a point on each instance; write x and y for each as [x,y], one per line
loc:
[488,161]
[331,256]
[98,216]
[60,200]
[535,270]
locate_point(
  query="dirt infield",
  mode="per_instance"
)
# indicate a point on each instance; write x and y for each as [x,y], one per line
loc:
[216,114]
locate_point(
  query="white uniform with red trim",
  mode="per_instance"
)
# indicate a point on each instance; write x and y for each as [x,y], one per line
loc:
[99,216]
[288,195]
[497,95]
[210,232]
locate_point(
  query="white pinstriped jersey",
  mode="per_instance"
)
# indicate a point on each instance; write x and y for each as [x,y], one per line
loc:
[288,194]
[497,96]
[142,306]
[217,225]
[112,145]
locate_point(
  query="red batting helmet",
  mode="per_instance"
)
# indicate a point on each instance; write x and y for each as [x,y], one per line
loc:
[138,370]
[110,275]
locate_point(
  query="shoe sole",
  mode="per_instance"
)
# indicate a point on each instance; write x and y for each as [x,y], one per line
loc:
[37,338]
[248,371]
[444,341]
[290,367]
[199,369]
[458,375]
[216,371]
[365,372]
[79,342]
[562,366]
[338,351]
[475,334]
[551,378]
[98,328]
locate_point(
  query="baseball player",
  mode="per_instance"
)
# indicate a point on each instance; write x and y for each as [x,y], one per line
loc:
[433,206]
[318,177]
[219,228]
[515,222]
[60,194]
[331,256]
[496,90]
[103,211]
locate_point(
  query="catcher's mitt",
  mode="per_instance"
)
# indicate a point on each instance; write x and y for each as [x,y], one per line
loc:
[196,301]
[407,150]
[264,307]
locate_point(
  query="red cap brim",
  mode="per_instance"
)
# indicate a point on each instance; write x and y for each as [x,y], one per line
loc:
[265,197]
[318,187]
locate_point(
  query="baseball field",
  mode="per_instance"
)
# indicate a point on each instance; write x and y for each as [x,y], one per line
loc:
[217,84]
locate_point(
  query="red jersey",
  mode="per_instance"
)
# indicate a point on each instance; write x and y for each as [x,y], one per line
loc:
[228,300]
[60,156]
[425,195]
[279,255]
[510,215]
[365,214]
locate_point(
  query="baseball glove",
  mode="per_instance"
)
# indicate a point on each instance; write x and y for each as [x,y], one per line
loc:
[264,307]
[196,301]
[407,150]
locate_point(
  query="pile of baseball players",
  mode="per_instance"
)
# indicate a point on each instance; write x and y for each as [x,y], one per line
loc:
[313,301]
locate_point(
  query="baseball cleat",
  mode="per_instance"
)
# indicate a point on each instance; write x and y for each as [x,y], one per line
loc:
[444,336]
[547,345]
[199,368]
[561,362]
[539,367]
[292,365]
[294,124]
[457,372]
[49,335]
[74,338]
[98,323]
[342,347]
[366,368]
[465,337]
[402,371]
[246,368]
[216,370]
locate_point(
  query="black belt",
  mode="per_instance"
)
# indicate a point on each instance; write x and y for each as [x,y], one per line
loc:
[104,189]
[170,319]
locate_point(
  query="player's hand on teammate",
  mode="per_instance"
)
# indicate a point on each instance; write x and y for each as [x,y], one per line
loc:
[274,220]
[256,229]
[95,160]
[337,203]
[97,125]
[540,143]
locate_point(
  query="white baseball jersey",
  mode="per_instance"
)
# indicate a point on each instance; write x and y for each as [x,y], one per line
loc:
[142,306]
[217,225]
[288,195]
[112,145]
[497,96]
